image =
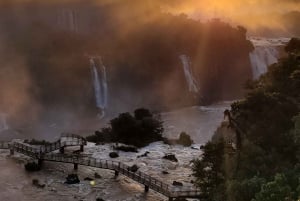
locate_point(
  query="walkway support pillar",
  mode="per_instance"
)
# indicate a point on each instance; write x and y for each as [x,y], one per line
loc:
[146,189]
[40,162]
[116,173]
[75,166]
[62,150]
[81,148]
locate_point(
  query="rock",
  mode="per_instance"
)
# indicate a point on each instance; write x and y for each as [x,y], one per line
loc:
[171,157]
[176,183]
[36,183]
[133,168]
[72,179]
[32,167]
[97,176]
[88,179]
[180,199]
[144,155]
[113,155]
[165,172]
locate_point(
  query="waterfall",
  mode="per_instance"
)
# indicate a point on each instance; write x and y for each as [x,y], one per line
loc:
[191,81]
[261,58]
[3,122]
[266,53]
[99,83]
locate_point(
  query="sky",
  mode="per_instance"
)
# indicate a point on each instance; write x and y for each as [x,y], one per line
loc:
[249,13]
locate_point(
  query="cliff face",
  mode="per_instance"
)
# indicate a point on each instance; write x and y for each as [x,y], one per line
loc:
[140,49]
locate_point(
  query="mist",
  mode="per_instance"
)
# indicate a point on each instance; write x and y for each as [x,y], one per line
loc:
[46,74]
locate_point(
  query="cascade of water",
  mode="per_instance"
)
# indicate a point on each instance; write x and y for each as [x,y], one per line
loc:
[261,58]
[3,122]
[191,81]
[99,83]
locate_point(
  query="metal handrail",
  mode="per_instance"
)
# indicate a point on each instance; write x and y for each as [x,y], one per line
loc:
[43,152]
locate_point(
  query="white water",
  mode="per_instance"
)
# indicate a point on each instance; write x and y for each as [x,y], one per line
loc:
[3,122]
[266,53]
[191,81]
[100,84]
[199,122]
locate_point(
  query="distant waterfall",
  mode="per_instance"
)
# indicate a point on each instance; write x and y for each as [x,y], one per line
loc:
[261,58]
[266,53]
[100,83]
[3,122]
[191,81]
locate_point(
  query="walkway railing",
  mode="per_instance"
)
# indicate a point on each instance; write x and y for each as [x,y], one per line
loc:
[43,153]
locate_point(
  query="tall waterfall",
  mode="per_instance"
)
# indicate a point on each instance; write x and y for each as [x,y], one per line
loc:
[99,83]
[191,81]
[3,122]
[261,58]
[266,53]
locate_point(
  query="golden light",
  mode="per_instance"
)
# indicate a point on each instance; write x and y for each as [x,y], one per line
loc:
[92,183]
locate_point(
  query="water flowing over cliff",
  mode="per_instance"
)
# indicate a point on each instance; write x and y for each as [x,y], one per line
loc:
[266,53]
[3,122]
[99,83]
[191,81]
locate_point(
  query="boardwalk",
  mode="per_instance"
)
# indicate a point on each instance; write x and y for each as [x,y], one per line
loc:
[43,153]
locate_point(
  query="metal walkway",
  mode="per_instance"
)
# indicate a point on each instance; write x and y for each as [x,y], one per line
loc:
[43,153]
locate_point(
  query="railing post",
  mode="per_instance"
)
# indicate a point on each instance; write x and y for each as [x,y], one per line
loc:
[81,148]
[62,150]
[75,166]
[40,162]
[12,151]
[116,173]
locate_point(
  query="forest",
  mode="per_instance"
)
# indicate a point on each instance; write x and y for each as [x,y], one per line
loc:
[255,157]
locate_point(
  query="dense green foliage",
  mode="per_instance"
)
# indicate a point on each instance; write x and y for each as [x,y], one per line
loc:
[184,139]
[265,166]
[138,130]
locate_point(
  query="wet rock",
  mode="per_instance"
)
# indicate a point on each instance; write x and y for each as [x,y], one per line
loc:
[32,167]
[113,155]
[144,155]
[36,183]
[72,179]
[176,183]
[97,176]
[170,157]
[88,179]
[180,199]
[134,168]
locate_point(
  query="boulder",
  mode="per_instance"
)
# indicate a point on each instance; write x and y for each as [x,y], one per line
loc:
[176,183]
[72,179]
[88,179]
[113,155]
[170,157]
[144,155]
[97,176]
[36,183]
[133,168]
[32,167]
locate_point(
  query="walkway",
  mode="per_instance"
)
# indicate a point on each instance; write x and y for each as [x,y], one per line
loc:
[43,153]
